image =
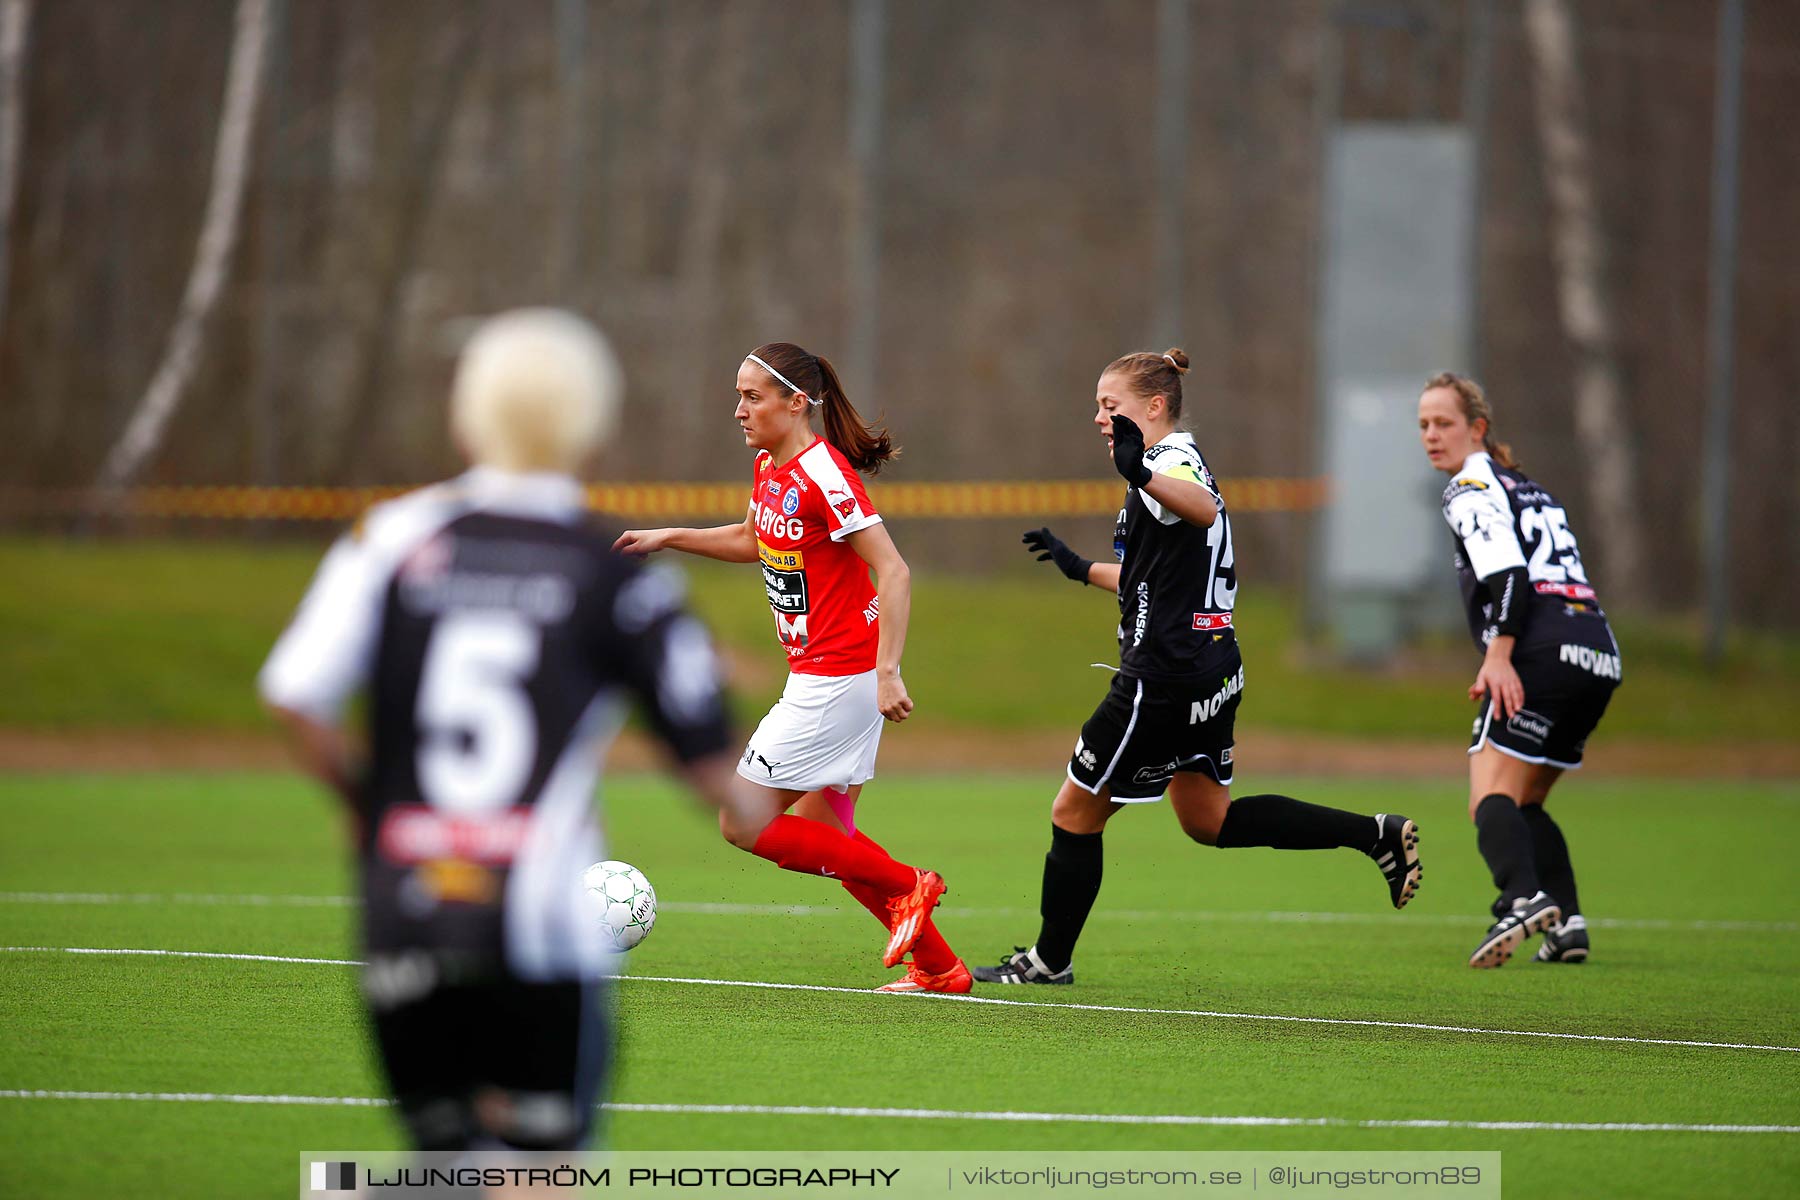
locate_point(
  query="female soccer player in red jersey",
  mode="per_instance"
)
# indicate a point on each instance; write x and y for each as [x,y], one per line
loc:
[811,526]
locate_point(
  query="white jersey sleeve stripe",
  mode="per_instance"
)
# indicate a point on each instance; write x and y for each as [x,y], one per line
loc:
[1169,456]
[846,513]
[327,651]
[1476,508]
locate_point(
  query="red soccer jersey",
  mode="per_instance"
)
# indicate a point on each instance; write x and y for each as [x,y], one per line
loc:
[819,588]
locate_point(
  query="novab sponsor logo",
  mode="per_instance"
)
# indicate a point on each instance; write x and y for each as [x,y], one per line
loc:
[1606,666]
[1206,710]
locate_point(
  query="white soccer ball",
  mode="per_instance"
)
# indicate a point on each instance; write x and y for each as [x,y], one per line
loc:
[625,899]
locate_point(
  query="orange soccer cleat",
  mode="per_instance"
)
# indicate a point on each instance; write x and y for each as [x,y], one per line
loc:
[955,982]
[909,910]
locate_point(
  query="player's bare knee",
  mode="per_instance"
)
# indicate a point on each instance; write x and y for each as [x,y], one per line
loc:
[738,832]
[1202,828]
[1078,811]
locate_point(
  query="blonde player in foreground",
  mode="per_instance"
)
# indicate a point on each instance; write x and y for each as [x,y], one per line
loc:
[496,638]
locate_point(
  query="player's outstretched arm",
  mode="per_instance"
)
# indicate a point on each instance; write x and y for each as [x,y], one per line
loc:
[727,543]
[893,589]
[1050,548]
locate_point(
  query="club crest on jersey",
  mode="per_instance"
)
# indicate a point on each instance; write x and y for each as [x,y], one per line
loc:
[790,503]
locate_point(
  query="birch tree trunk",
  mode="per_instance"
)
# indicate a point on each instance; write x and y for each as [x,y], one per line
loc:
[143,436]
[1586,308]
[15,32]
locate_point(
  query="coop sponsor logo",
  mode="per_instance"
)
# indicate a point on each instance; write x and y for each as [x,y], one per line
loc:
[1206,710]
[1606,666]
[415,833]
[1568,591]
[1212,620]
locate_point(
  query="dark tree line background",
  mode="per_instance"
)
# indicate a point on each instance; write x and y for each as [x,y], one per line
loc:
[682,172]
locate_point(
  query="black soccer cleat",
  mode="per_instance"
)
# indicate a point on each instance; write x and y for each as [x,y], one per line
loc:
[1396,852]
[1024,967]
[1530,915]
[1567,943]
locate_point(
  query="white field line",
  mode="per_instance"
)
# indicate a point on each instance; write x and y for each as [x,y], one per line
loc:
[826,910]
[275,958]
[948,1114]
[1478,1031]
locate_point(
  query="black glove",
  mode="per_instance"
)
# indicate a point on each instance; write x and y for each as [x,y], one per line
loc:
[1128,451]
[1048,546]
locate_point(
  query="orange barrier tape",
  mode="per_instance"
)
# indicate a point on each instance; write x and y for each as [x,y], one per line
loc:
[638,501]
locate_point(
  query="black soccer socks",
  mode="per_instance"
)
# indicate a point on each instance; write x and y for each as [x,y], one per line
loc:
[1505,842]
[1551,854]
[1071,884]
[1284,823]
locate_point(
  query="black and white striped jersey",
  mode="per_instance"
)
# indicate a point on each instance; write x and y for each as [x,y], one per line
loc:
[1177,582]
[1502,521]
[498,640]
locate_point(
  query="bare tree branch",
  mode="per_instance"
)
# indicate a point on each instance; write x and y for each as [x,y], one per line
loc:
[1578,247]
[212,254]
[15,34]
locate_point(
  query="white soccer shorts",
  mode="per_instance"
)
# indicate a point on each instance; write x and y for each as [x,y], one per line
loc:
[822,733]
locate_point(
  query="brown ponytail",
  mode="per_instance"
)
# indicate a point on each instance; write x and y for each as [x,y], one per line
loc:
[1475,407]
[866,447]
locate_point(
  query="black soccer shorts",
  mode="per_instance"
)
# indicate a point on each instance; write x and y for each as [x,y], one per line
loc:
[1567,689]
[502,1061]
[1145,731]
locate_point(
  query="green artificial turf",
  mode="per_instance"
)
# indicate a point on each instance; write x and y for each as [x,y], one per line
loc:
[1690,888]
